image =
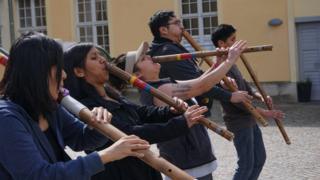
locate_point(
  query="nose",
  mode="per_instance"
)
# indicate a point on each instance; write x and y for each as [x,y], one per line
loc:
[102,59]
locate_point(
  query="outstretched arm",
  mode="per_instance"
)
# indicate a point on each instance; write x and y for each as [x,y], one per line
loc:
[195,87]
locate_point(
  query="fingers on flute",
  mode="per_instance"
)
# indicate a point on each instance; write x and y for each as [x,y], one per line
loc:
[278,114]
[240,45]
[180,103]
[94,113]
[107,116]
[100,115]
[194,114]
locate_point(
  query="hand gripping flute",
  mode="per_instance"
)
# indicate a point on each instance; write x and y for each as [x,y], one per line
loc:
[264,96]
[164,97]
[108,130]
[279,123]
[84,114]
[232,88]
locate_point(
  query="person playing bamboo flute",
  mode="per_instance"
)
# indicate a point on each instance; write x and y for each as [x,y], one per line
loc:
[87,82]
[35,128]
[197,158]
[248,138]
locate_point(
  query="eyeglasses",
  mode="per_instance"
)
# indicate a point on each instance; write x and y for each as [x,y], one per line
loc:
[177,22]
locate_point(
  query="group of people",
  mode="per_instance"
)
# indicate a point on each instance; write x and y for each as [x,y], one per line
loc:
[35,128]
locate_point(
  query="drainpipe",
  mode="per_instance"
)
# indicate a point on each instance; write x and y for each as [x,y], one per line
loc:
[11,20]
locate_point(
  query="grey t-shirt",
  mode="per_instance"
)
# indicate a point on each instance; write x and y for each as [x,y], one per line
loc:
[235,115]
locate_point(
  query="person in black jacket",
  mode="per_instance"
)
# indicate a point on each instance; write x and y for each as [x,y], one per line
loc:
[167,32]
[86,81]
[143,67]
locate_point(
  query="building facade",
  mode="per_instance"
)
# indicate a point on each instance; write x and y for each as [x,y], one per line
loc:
[291,26]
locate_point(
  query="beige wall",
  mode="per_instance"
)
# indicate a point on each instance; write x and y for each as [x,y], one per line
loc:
[128,27]
[4,14]
[306,8]
[61,19]
[251,18]
[128,22]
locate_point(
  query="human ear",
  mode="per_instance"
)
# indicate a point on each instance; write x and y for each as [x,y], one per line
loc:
[221,43]
[163,30]
[79,72]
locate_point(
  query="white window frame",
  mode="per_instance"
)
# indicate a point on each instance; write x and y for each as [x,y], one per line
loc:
[33,26]
[204,40]
[93,23]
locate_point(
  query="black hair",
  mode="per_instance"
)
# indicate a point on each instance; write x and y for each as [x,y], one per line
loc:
[159,19]
[115,81]
[222,32]
[26,78]
[75,57]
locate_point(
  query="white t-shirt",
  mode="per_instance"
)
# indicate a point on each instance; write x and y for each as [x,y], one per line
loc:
[200,171]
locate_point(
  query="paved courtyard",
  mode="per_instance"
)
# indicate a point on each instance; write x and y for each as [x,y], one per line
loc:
[298,161]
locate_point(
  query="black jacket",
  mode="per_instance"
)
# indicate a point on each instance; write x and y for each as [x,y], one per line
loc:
[187,151]
[147,122]
[184,70]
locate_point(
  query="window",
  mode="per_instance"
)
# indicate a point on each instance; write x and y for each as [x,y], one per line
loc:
[32,15]
[199,19]
[92,22]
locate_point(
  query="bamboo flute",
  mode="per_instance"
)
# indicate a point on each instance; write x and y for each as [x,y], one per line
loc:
[201,54]
[264,96]
[115,134]
[164,97]
[232,88]
[108,130]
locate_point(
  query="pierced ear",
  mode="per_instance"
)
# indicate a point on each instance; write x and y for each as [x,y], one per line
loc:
[79,72]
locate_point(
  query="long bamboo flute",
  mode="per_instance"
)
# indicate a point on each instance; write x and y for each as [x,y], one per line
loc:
[164,97]
[264,96]
[202,53]
[248,106]
[115,134]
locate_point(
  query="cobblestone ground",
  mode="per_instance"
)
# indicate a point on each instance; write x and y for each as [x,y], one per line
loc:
[298,161]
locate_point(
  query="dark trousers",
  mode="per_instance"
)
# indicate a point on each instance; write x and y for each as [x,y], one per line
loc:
[251,153]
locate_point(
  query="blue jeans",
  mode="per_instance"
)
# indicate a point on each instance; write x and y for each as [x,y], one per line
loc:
[251,153]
